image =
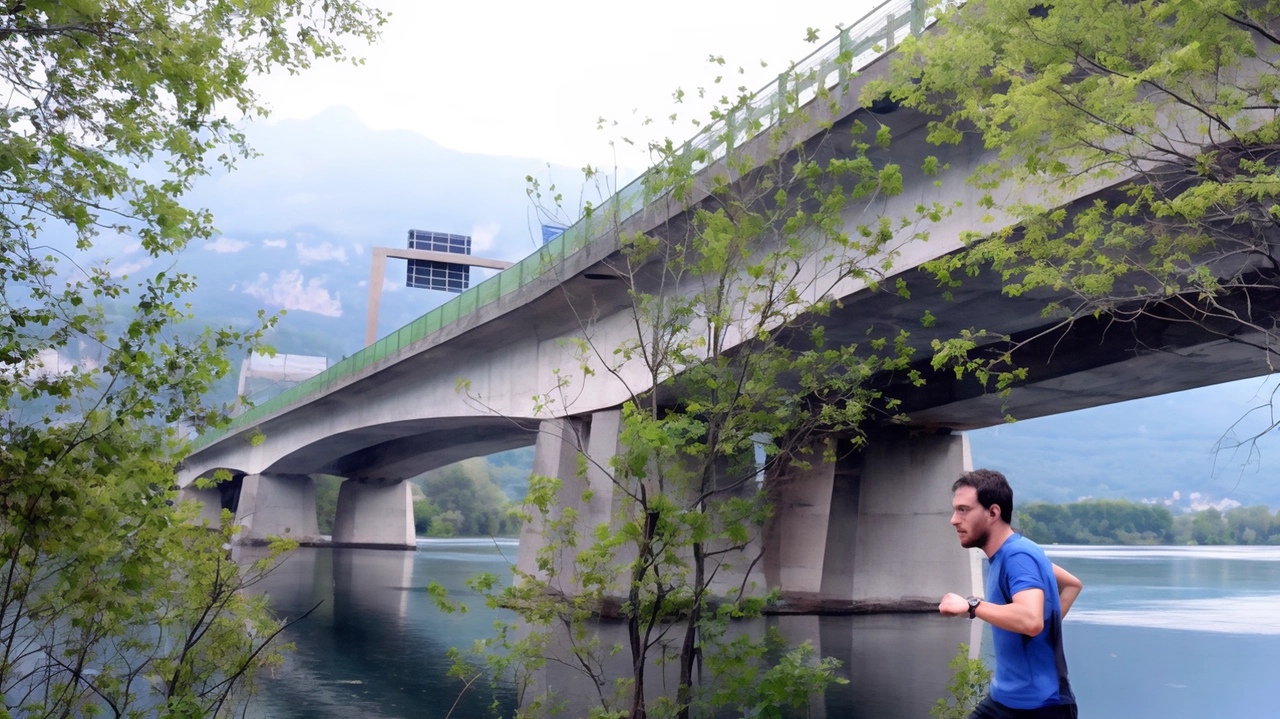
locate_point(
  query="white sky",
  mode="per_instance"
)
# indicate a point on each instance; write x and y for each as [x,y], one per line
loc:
[530,79]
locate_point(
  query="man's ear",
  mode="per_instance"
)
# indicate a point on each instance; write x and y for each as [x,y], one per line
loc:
[995,511]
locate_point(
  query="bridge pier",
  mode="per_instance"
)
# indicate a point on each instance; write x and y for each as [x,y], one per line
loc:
[374,515]
[867,532]
[871,532]
[210,500]
[586,489]
[282,505]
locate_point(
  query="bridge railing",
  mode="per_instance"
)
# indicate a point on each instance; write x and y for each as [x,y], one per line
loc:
[854,47]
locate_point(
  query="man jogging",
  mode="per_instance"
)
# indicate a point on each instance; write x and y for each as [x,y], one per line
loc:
[1026,599]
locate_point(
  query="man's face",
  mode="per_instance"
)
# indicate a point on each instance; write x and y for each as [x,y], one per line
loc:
[971,520]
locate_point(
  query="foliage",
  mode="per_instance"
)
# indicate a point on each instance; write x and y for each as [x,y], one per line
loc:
[114,600]
[729,384]
[1096,522]
[1121,522]
[475,506]
[109,601]
[425,513]
[327,488]
[1165,112]
[510,471]
[970,681]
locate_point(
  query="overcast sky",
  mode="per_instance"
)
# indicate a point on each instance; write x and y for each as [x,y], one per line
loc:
[528,79]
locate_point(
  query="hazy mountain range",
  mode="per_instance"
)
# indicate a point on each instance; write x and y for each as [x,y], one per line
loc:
[297,224]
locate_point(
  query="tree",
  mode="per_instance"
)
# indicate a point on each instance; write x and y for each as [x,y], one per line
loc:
[731,364]
[1096,522]
[110,602]
[1250,525]
[465,488]
[1167,112]
[1208,527]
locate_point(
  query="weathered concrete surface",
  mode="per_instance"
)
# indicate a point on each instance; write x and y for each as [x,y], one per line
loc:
[375,515]
[906,547]
[555,455]
[586,490]
[871,532]
[589,494]
[796,536]
[210,501]
[280,505]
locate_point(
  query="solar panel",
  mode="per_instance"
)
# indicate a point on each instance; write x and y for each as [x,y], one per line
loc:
[439,242]
[448,277]
[443,276]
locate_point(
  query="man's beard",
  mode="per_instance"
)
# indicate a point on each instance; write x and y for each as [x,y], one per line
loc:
[971,541]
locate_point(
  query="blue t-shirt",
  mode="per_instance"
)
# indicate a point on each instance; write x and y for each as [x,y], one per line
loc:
[1031,672]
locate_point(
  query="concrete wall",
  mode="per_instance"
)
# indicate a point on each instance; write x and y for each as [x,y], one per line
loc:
[906,547]
[871,532]
[375,515]
[796,535]
[586,488]
[210,501]
[277,505]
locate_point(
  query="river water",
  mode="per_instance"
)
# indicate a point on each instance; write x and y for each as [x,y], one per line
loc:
[1158,632]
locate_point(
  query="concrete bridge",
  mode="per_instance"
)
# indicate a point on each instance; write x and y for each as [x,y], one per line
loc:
[868,532]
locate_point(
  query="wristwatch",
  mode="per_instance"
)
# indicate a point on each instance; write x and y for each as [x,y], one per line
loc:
[973,606]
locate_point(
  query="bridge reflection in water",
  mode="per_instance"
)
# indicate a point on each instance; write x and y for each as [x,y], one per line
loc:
[377,645]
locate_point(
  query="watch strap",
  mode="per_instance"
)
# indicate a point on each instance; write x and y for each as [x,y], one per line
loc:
[973,607]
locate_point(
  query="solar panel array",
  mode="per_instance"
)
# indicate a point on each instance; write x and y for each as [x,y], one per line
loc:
[443,276]
[439,242]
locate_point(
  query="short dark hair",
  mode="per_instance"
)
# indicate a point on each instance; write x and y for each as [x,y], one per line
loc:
[992,488]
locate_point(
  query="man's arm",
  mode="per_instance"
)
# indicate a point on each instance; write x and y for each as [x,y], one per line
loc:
[1068,588]
[1025,615]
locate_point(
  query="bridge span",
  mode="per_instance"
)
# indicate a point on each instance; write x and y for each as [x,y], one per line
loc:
[868,532]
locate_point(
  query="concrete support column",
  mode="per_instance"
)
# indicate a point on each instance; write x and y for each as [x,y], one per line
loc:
[281,505]
[796,535]
[871,532]
[586,487]
[809,539]
[210,500]
[376,515]
[906,552]
[555,455]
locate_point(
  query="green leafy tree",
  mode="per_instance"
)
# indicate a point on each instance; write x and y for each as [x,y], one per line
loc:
[1167,112]
[1100,521]
[110,602]
[466,489]
[731,363]
[1250,525]
[327,488]
[425,513]
[1208,527]
[969,683]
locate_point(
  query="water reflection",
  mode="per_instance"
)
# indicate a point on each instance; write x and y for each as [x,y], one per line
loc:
[376,646]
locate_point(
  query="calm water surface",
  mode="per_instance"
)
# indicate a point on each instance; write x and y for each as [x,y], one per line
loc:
[1159,632]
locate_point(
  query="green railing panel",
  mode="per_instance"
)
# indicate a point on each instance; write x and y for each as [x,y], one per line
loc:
[509,280]
[434,320]
[489,290]
[449,312]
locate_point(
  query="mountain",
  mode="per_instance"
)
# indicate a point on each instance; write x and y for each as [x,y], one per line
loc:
[1188,450]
